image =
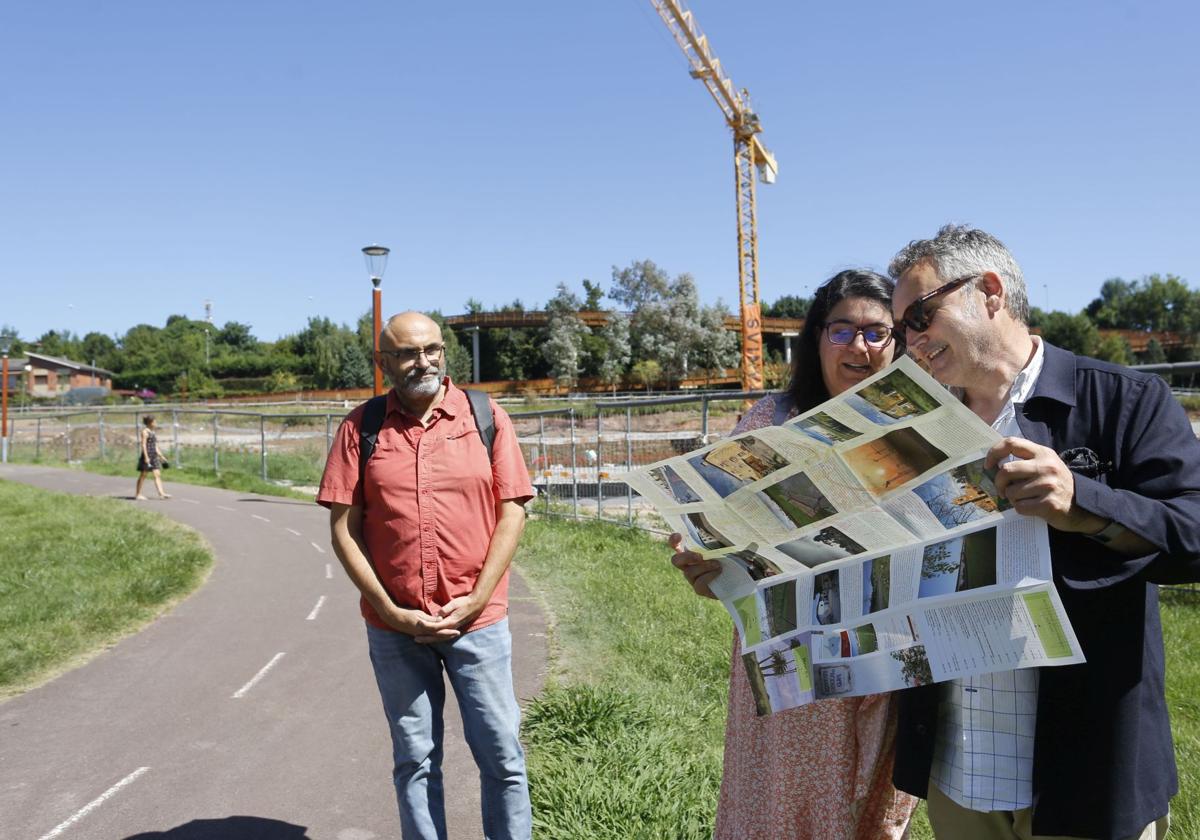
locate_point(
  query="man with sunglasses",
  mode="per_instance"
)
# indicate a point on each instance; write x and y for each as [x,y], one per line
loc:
[426,532]
[1107,457]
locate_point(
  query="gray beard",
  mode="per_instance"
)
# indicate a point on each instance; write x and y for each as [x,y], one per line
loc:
[415,387]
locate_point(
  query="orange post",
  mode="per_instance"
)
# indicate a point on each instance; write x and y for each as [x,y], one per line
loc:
[376,304]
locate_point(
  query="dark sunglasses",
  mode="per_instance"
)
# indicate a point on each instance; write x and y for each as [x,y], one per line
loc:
[917,318]
[877,336]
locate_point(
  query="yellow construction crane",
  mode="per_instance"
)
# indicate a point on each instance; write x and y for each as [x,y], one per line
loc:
[750,157]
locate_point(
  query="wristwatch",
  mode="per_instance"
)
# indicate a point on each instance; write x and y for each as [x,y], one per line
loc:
[1108,533]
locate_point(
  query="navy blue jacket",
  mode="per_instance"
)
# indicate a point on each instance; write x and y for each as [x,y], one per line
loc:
[1103,765]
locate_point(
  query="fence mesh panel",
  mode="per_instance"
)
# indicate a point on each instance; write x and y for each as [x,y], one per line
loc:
[577,456]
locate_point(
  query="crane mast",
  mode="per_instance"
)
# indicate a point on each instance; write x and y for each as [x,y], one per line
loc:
[751,161]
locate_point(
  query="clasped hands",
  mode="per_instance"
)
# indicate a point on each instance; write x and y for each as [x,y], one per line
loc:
[442,626]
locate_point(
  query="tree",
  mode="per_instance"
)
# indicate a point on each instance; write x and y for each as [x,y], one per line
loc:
[640,284]
[99,349]
[593,294]
[1113,348]
[354,370]
[565,336]
[236,337]
[616,354]
[282,380]
[17,350]
[64,345]
[326,360]
[1153,303]
[716,347]
[647,372]
[787,306]
[1071,332]
[914,662]
[668,329]
[1109,310]
[458,358]
[364,329]
[668,324]
[936,561]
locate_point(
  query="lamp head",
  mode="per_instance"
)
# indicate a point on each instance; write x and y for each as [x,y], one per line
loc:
[376,257]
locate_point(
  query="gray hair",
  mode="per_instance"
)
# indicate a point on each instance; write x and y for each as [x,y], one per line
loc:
[959,251]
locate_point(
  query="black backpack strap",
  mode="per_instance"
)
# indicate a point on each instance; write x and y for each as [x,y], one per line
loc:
[368,431]
[485,422]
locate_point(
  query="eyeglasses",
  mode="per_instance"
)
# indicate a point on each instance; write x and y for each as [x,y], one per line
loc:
[877,336]
[916,318]
[410,354]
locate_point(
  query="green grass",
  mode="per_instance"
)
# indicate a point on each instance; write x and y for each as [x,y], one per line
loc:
[78,573]
[228,479]
[1181,629]
[626,740]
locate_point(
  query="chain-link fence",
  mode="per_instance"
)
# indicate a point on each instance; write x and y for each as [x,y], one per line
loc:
[283,448]
[577,456]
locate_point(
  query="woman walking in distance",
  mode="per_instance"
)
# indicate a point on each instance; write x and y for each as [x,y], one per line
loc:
[821,771]
[149,458]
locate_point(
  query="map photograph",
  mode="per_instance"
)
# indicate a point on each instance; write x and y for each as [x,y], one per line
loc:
[670,483]
[893,459]
[892,399]
[736,463]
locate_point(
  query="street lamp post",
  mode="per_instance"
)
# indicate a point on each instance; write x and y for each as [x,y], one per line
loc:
[376,257]
[6,341]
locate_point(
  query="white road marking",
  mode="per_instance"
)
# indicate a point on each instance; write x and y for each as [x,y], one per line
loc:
[189,501]
[318,548]
[312,615]
[256,516]
[93,805]
[241,692]
[328,572]
[292,531]
[222,507]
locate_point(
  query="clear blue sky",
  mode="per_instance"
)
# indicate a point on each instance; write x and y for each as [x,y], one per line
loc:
[154,155]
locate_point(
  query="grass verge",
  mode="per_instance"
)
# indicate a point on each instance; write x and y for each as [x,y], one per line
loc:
[1181,629]
[626,739]
[78,573]
[243,482]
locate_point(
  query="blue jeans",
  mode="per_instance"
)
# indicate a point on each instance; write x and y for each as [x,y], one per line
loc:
[479,665]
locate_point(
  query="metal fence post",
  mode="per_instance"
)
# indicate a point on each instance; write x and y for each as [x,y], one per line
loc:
[599,461]
[68,419]
[328,432]
[37,441]
[704,419]
[629,461]
[100,418]
[574,467]
[262,443]
[175,437]
[216,460]
[545,461]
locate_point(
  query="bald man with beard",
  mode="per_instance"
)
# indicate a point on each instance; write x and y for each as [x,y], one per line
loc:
[427,536]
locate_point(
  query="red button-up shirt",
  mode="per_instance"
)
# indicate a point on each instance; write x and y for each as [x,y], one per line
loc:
[429,501]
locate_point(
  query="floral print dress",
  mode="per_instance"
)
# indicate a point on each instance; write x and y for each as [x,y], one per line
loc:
[817,772]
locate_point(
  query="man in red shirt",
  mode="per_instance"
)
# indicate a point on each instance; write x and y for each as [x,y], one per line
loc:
[427,536]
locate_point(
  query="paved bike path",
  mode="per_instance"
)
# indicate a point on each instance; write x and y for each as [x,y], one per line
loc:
[247,711]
